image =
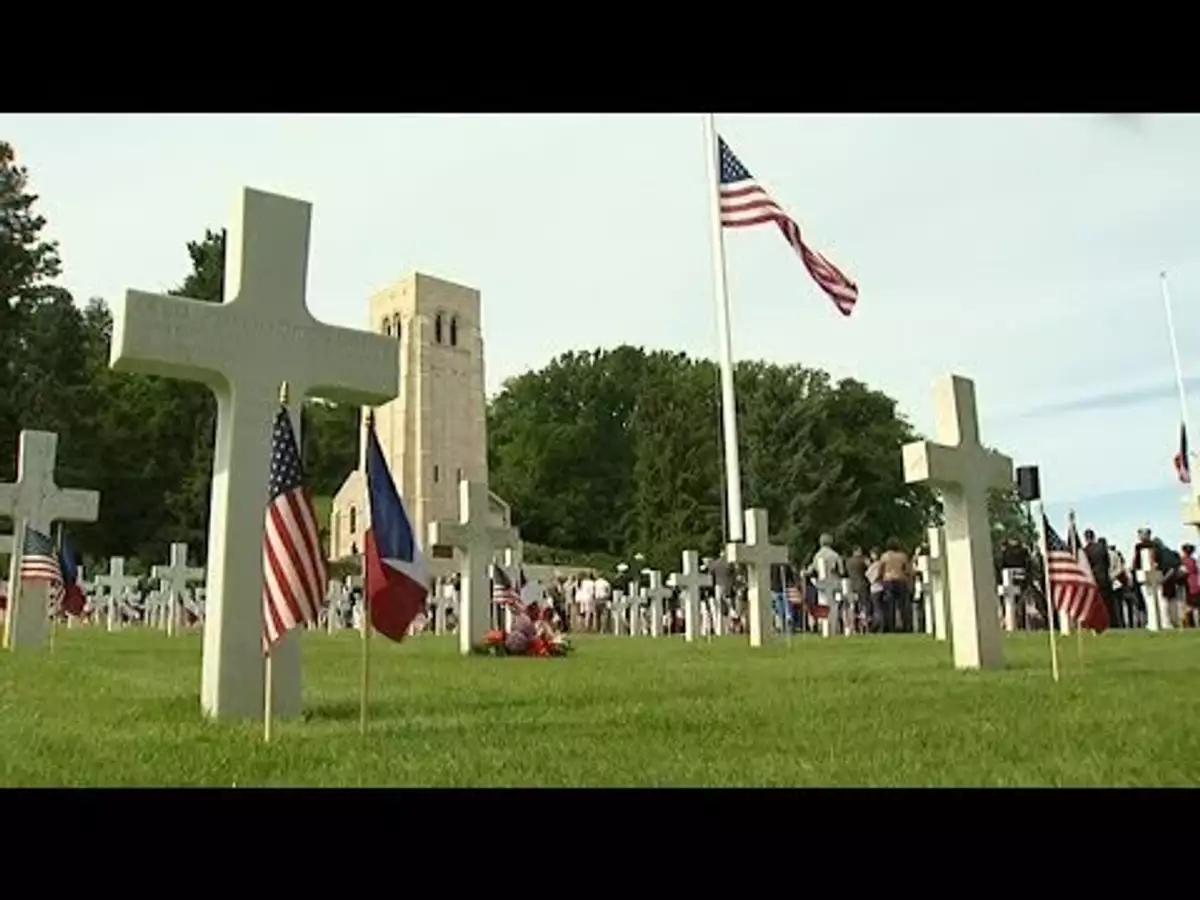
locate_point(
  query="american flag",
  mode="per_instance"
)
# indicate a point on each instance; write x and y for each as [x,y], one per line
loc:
[503,591]
[744,203]
[39,562]
[1183,468]
[293,565]
[1072,585]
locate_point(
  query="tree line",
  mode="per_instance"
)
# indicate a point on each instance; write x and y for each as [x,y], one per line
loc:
[601,454]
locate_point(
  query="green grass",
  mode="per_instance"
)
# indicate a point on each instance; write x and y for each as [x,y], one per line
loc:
[122,709]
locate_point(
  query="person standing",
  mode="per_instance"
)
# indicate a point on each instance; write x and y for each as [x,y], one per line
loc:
[856,573]
[603,603]
[895,573]
[1098,559]
[1191,613]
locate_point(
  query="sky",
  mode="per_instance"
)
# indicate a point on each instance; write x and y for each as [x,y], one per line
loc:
[1022,252]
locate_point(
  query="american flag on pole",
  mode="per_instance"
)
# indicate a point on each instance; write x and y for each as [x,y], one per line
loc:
[1073,587]
[503,590]
[39,562]
[295,579]
[744,204]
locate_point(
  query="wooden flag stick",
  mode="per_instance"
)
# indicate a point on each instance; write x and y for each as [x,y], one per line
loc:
[268,697]
[365,686]
[1041,527]
[1079,643]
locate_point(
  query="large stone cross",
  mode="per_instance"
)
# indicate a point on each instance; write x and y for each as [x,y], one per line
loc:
[1191,511]
[478,541]
[758,554]
[243,349]
[689,582]
[36,501]
[117,583]
[175,579]
[964,471]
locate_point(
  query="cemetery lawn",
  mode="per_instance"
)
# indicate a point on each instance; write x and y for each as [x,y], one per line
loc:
[123,709]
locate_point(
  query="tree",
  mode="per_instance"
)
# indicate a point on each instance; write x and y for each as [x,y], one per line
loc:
[28,266]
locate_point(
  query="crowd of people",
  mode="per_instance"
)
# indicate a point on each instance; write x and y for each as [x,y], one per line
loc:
[876,590]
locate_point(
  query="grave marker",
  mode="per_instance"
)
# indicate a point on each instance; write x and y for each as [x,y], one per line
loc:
[1009,593]
[963,470]
[117,583]
[243,349]
[689,582]
[1150,580]
[36,501]
[656,594]
[758,554]
[478,541]
[175,579]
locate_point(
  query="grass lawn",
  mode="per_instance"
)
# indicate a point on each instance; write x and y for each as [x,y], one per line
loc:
[122,709]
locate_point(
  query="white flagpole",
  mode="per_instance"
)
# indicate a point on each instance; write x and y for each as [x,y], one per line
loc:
[1183,406]
[733,468]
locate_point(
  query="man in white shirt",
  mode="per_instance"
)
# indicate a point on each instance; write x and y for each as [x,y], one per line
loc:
[585,598]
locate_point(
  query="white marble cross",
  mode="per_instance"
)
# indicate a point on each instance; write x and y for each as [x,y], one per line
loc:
[758,554]
[175,579]
[656,595]
[1009,592]
[960,467]
[1150,580]
[36,501]
[689,582]
[620,609]
[117,584]
[478,541]
[243,349]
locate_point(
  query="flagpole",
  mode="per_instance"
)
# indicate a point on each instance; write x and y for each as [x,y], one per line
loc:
[268,696]
[365,685]
[1045,547]
[1183,405]
[733,469]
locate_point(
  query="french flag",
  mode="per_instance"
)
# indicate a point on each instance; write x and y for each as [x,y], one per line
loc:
[73,600]
[397,579]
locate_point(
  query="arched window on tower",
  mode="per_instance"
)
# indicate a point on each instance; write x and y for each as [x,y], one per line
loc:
[386,328]
[437,328]
[353,519]
[454,331]
[396,326]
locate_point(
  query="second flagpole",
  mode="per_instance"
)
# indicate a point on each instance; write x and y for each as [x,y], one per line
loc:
[733,468]
[1183,405]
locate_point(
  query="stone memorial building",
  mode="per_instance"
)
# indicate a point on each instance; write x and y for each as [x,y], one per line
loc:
[434,433]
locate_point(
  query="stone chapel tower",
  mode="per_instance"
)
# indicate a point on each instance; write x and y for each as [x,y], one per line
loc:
[434,434]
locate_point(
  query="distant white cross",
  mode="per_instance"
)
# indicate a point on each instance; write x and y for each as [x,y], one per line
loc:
[117,584]
[478,540]
[657,595]
[758,554]
[964,471]
[36,501]
[175,579]
[689,582]
[244,349]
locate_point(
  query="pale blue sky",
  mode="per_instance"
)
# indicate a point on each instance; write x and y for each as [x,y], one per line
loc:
[1020,251]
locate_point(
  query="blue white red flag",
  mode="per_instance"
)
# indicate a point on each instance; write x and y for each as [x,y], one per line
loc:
[397,578]
[73,600]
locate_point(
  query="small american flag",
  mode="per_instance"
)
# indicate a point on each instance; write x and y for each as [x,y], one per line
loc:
[1072,585]
[744,203]
[39,562]
[295,580]
[503,591]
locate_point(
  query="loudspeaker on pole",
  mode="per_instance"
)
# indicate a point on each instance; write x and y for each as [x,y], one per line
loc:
[1029,485]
